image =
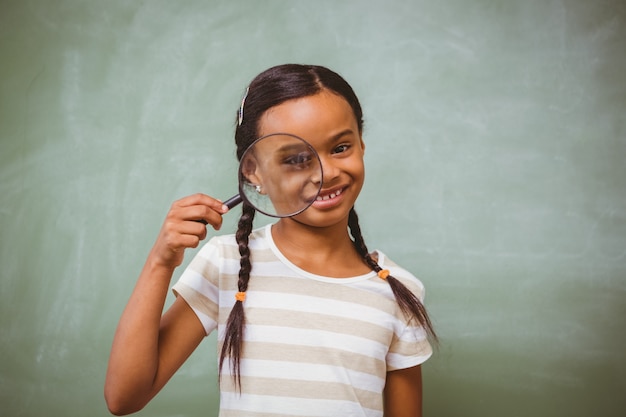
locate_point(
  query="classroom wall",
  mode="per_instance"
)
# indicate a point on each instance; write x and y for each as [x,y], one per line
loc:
[496,140]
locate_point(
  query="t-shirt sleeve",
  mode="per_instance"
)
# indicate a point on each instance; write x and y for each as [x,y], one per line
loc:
[410,346]
[198,284]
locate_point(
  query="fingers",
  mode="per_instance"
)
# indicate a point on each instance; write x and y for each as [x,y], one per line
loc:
[184,226]
[178,235]
[200,208]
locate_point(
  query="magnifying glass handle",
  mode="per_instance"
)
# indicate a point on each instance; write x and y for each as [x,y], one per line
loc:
[233,201]
[230,203]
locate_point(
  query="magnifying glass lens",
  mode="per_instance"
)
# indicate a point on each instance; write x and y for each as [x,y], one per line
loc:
[280,175]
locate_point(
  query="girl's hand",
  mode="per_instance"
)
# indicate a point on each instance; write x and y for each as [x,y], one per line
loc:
[184,227]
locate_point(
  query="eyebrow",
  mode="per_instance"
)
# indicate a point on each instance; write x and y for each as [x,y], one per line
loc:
[340,135]
[293,147]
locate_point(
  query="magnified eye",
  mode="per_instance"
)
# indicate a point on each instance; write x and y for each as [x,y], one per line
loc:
[298,160]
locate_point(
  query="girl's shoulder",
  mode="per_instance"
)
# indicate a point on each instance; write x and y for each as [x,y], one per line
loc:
[398,272]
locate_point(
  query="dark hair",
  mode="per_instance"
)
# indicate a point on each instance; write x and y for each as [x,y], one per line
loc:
[271,88]
[287,82]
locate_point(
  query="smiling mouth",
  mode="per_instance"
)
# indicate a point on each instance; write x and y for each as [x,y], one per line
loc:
[329,196]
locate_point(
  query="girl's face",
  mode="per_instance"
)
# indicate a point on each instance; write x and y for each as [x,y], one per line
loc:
[327,122]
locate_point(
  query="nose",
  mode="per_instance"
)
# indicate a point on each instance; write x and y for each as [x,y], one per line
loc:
[329,170]
[325,172]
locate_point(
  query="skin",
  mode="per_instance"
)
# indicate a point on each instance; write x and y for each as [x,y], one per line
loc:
[285,169]
[148,348]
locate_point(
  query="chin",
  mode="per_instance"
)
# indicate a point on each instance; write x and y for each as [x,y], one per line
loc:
[313,217]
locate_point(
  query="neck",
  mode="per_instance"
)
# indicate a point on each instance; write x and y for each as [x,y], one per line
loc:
[327,251]
[310,238]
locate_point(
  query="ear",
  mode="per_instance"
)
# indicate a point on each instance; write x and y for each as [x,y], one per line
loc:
[251,173]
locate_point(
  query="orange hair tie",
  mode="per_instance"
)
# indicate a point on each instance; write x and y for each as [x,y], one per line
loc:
[240,296]
[383,273]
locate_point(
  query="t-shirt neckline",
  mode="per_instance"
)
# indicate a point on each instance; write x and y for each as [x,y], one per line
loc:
[302,272]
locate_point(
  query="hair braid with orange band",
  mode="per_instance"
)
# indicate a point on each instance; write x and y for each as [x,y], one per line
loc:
[410,305]
[235,324]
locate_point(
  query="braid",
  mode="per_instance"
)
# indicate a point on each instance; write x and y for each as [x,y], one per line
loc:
[359,243]
[408,302]
[233,336]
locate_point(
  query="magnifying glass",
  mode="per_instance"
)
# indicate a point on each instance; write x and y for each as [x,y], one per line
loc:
[280,175]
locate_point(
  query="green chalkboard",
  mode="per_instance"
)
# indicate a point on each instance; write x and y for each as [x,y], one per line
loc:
[496,148]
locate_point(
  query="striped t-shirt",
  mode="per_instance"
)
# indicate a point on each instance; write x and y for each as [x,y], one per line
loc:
[313,345]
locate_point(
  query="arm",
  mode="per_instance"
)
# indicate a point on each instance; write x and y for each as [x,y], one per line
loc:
[149,347]
[403,393]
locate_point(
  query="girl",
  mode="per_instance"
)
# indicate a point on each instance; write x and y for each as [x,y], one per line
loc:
[309,322]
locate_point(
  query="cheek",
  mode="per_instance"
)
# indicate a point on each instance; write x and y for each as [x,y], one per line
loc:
[360,176]
[358,166]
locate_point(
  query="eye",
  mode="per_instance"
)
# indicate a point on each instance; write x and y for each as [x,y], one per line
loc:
[298,160]
[341,148]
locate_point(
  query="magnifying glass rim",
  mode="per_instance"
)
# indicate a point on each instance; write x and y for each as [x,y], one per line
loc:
[241,189]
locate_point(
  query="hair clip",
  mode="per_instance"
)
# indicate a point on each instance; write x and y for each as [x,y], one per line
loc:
[240,296]
[383,273]
[243,101]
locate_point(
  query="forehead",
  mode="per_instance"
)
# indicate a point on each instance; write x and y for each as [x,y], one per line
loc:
[313,117]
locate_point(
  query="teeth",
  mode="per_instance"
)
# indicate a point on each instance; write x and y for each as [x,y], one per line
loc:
[328,196]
